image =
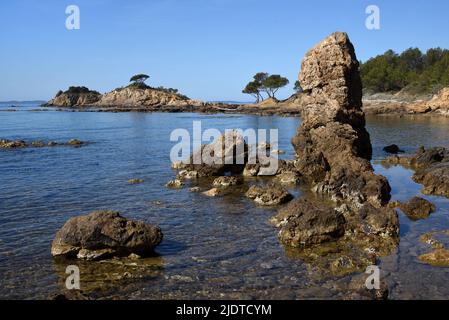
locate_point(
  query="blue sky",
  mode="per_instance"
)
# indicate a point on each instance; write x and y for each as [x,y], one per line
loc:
[208,49]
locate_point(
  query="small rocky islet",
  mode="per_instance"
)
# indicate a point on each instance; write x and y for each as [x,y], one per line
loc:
[20,144]
[349,212]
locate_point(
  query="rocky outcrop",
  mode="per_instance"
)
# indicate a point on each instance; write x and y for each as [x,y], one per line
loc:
[140,98]
[103,234]
[131,98]
[333,153]
[75,97]
[332,145]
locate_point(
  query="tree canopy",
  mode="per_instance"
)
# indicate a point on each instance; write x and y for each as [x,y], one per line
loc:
[263,82]
[298,87]
[411,70]
[139,78]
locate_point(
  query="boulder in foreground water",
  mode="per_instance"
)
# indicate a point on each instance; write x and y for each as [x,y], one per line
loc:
[103,234]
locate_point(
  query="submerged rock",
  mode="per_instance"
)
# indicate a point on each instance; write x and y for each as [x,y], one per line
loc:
[38,144]
[103,234]
[437,258]
[212,192]
[269,195]
[136,181]
[76,142]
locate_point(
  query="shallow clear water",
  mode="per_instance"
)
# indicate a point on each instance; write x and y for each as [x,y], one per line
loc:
[213,247]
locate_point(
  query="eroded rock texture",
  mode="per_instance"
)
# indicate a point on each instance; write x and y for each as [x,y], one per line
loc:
[333,151]
[332,144]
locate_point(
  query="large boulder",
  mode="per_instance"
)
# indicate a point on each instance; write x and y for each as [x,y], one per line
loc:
[103,234]
[332,145]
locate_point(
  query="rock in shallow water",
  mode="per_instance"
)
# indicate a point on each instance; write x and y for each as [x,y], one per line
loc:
[227,181]
[269,195]
[417,208]
[304,223]
[8,144]
[103,234]
[437,258]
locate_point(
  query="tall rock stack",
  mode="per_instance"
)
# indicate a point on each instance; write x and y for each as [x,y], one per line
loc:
[333,152]
[332,145]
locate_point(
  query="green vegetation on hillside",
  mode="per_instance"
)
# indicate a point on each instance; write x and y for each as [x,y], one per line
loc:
[412,70]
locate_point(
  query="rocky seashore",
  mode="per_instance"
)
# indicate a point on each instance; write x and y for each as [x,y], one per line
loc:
[348,209]
[341,223]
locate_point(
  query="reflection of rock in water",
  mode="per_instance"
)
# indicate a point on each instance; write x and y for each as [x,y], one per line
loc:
[109,277]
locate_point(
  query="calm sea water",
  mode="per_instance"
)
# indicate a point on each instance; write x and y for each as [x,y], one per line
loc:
[213,247]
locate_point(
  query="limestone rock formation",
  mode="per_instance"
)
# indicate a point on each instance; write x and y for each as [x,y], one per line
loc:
[124,99]
[332,145]
[148,97]
[103,234]
[333,152]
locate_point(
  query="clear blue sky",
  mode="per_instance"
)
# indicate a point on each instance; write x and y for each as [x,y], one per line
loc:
[208,49]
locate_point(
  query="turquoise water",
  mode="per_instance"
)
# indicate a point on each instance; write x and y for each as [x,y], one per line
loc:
[213,247]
